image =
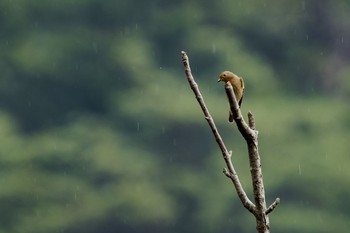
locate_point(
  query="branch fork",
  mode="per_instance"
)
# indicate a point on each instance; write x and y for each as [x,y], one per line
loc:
[250,134]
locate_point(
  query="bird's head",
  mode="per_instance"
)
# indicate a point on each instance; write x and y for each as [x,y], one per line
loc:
[226,76]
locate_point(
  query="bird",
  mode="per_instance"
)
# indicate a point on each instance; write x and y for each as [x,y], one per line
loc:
[237,85]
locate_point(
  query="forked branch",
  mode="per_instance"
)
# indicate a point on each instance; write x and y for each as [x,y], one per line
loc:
[250,134]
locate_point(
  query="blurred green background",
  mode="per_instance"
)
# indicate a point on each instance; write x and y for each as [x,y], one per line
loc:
[100,131]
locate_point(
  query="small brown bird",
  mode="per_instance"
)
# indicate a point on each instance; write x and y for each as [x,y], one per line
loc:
[237,85]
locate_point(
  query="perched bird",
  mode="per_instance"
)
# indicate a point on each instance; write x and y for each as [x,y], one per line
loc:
[237,85]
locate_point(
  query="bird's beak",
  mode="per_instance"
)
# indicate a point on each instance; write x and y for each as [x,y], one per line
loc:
[219,80]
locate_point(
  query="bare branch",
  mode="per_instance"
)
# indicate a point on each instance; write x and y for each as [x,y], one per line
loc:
[251,120]
[244,129]
[230,171]
[250,134]
[273,206]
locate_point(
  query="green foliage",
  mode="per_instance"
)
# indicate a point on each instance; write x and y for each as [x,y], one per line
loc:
[100,131]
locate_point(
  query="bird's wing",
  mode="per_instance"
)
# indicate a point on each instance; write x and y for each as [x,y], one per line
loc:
[242,82]
[242,85]
[240,101]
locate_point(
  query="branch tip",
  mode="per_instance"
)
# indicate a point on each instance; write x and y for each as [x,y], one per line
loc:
[251,120]
[226,172]
[273,206]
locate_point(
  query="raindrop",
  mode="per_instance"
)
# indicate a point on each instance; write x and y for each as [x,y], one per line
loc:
[160,67]
[174,142]
[342,40]
[299,169]
[138,126]
[307,37]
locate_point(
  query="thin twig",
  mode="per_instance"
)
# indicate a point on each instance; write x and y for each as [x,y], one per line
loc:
[273,206]
[251,120]
[243,128]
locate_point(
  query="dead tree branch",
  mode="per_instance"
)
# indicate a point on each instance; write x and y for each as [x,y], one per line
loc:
[250,134]
[230,171]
